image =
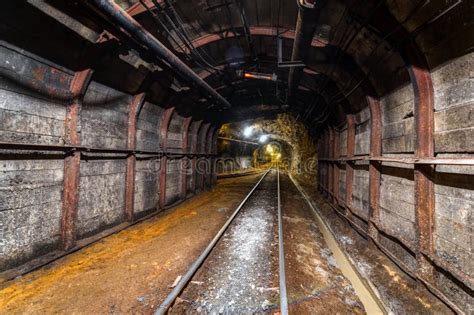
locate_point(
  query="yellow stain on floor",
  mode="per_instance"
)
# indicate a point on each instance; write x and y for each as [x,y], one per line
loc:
[142,260]
[92,256]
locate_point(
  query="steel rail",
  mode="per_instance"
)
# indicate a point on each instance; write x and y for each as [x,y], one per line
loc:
[400,264]
[238,140]
[281,255]
[364,289]
[198,262]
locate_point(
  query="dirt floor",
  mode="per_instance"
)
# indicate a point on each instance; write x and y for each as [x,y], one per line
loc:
[399,293]
[131,271]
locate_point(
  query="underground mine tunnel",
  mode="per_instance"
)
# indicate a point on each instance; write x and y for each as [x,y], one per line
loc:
[237,157]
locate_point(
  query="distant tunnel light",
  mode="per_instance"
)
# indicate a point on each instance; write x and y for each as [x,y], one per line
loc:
[259,76]
[248,131]
[263,138]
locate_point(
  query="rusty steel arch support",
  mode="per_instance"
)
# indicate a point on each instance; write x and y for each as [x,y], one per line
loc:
[210,133]
[135,106]
[330,164]
[164,126]
[424,148]
[336,154]
[202,149]
[194,149]
[350,164]
[202,140]
[322,180]
[326,154]
[185,159]
[72,162]
[374,166]
[214,152]
[208,151]
[321,163]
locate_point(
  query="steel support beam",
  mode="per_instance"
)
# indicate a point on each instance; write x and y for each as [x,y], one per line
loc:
[374,166]
[330,164]
[133,112]
[349,165]
[202,149]
[208,176]
[254,31]
[336,154]
[326,165]
[321,158]
[326,153]
[164,126]
[185,160]
[72,162]
[194,149]
[323,164]
[214,151]
[424,174]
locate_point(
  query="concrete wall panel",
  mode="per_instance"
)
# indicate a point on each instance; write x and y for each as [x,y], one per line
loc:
[104,117]
[397,121]
[101,195]
[148,127]
[30,208]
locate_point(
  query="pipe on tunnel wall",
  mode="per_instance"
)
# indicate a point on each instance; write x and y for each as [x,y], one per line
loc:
[305,28]
[139,33]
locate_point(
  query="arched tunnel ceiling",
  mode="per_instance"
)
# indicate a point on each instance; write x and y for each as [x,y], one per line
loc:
[356,50]
[349,46]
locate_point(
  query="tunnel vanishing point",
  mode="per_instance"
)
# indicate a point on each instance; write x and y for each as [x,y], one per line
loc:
[237,157]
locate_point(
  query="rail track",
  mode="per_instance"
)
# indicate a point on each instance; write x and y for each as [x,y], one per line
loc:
[207,258]
[188,276]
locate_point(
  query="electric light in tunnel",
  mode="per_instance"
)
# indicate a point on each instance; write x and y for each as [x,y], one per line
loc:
[263,138]
[269,148]
[248,131]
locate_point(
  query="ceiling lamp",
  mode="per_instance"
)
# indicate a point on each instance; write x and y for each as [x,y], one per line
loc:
[248,131]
